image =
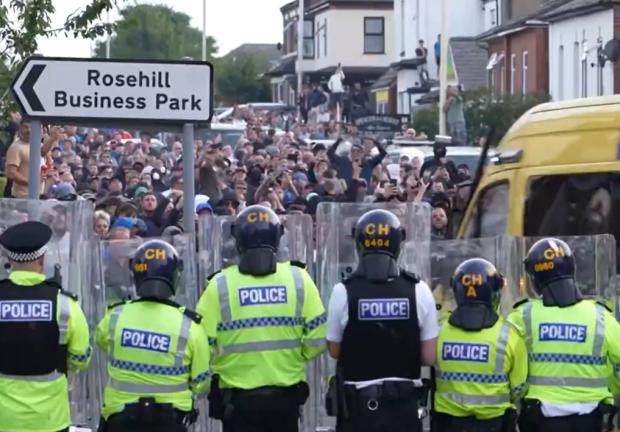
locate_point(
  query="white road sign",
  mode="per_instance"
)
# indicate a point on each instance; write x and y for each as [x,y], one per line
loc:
[89,89]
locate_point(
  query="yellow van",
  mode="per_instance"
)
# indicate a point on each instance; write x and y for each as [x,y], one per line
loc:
[557,172]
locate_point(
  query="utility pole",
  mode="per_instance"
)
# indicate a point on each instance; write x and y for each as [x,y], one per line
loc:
[443,69]
[107,42]
[300,54]
[204,30]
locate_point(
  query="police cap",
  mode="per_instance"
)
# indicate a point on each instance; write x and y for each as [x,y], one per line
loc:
[26,241]
[257,227]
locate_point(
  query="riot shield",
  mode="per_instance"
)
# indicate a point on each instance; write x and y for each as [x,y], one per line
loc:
[69,259]
[336,258]
[446,255]
[595,261]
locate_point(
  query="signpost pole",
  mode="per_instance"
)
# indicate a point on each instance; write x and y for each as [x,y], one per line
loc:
[443,68]
[188,179]
[34,165]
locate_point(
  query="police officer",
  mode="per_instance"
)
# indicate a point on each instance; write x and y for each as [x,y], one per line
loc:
[382,327]
[265,320]
[158,355]
[43,333]
[481,357]
[569,342]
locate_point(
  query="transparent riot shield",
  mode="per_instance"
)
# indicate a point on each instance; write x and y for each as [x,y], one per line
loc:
[336,258]
[446,255]
[595,258]
[217,248]
[69,259]
[217,251]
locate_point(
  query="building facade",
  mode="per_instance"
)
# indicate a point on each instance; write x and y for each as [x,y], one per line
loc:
[356,34]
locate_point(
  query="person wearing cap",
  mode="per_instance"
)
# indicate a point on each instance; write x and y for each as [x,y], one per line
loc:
[43,334]
[63,192]
[481,357]
[204,209]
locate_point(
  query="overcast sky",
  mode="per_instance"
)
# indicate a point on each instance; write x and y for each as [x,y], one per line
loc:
[231,22]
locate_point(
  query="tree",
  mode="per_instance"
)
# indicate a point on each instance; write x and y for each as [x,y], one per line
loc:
[22,22]
[482,111]
[240,80]
[155,32]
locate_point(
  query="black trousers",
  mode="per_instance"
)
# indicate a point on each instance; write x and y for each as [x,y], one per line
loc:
[447,423]
[574,423]
[268,409]
[125,422]
[393,416]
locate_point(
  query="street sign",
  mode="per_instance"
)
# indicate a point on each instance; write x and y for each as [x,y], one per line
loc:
[380,122]
[82,90]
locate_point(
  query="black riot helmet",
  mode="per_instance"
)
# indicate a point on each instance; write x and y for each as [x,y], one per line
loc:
[156,268]
[477,289]
[550,264]
[378,237]
[257,231]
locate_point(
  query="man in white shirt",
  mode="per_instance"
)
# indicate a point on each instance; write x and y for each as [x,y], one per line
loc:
[336,88]
[381,327]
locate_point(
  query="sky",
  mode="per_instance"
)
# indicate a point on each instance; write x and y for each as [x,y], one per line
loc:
[230,22]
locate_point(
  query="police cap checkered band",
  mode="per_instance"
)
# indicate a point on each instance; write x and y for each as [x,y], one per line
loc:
[26,257]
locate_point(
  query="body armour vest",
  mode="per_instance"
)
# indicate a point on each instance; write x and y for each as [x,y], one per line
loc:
[382,336]
[29,333]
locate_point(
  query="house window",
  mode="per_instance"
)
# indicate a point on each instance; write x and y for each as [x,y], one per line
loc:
[493,13]
[317,32]
[525,66]
[513,72]
[502,77]
[576,67]
[509,9]
[374,35]
[561,73]
[325,37]
[308,39]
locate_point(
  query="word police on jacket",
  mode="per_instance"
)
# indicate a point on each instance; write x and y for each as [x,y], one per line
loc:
[149,341]
[26,310]
[562,332]
[383,309]
[465,352]
[262,295]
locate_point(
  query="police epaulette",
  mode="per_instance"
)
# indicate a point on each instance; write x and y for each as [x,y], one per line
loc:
[520,302]
[411,276]
[69,294]
[213,274]
[298,264]
[113,305]
[194,316]
[604,304]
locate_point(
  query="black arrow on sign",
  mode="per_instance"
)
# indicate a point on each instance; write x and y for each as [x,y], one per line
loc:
[28,87]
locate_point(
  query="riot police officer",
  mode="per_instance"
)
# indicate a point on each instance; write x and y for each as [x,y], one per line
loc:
[43,333]
[265,320]
[158,357]
[478,346]
[382,327]
[569,342]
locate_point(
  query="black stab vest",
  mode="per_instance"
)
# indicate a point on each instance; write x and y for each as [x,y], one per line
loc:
[375,344]
[29,332]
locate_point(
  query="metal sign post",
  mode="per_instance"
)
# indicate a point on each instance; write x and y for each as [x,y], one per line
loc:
[104,91]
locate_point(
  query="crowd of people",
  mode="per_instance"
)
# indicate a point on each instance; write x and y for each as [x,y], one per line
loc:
[136,180]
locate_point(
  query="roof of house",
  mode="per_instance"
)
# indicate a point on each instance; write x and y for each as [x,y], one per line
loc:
[529,21]
[385,80]
[576,8]
[284,67]
[270,51]
[469,61]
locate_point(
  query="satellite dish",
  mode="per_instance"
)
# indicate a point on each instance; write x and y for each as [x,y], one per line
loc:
[612,50]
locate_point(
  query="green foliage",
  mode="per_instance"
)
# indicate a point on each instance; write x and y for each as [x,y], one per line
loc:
[155,32]
[23,21]
[482,111]
[239,80]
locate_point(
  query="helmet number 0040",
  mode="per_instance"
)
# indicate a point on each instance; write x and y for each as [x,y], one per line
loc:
[377,242]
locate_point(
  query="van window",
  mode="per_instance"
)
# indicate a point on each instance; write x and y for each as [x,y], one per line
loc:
[490,216]
[576,204]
